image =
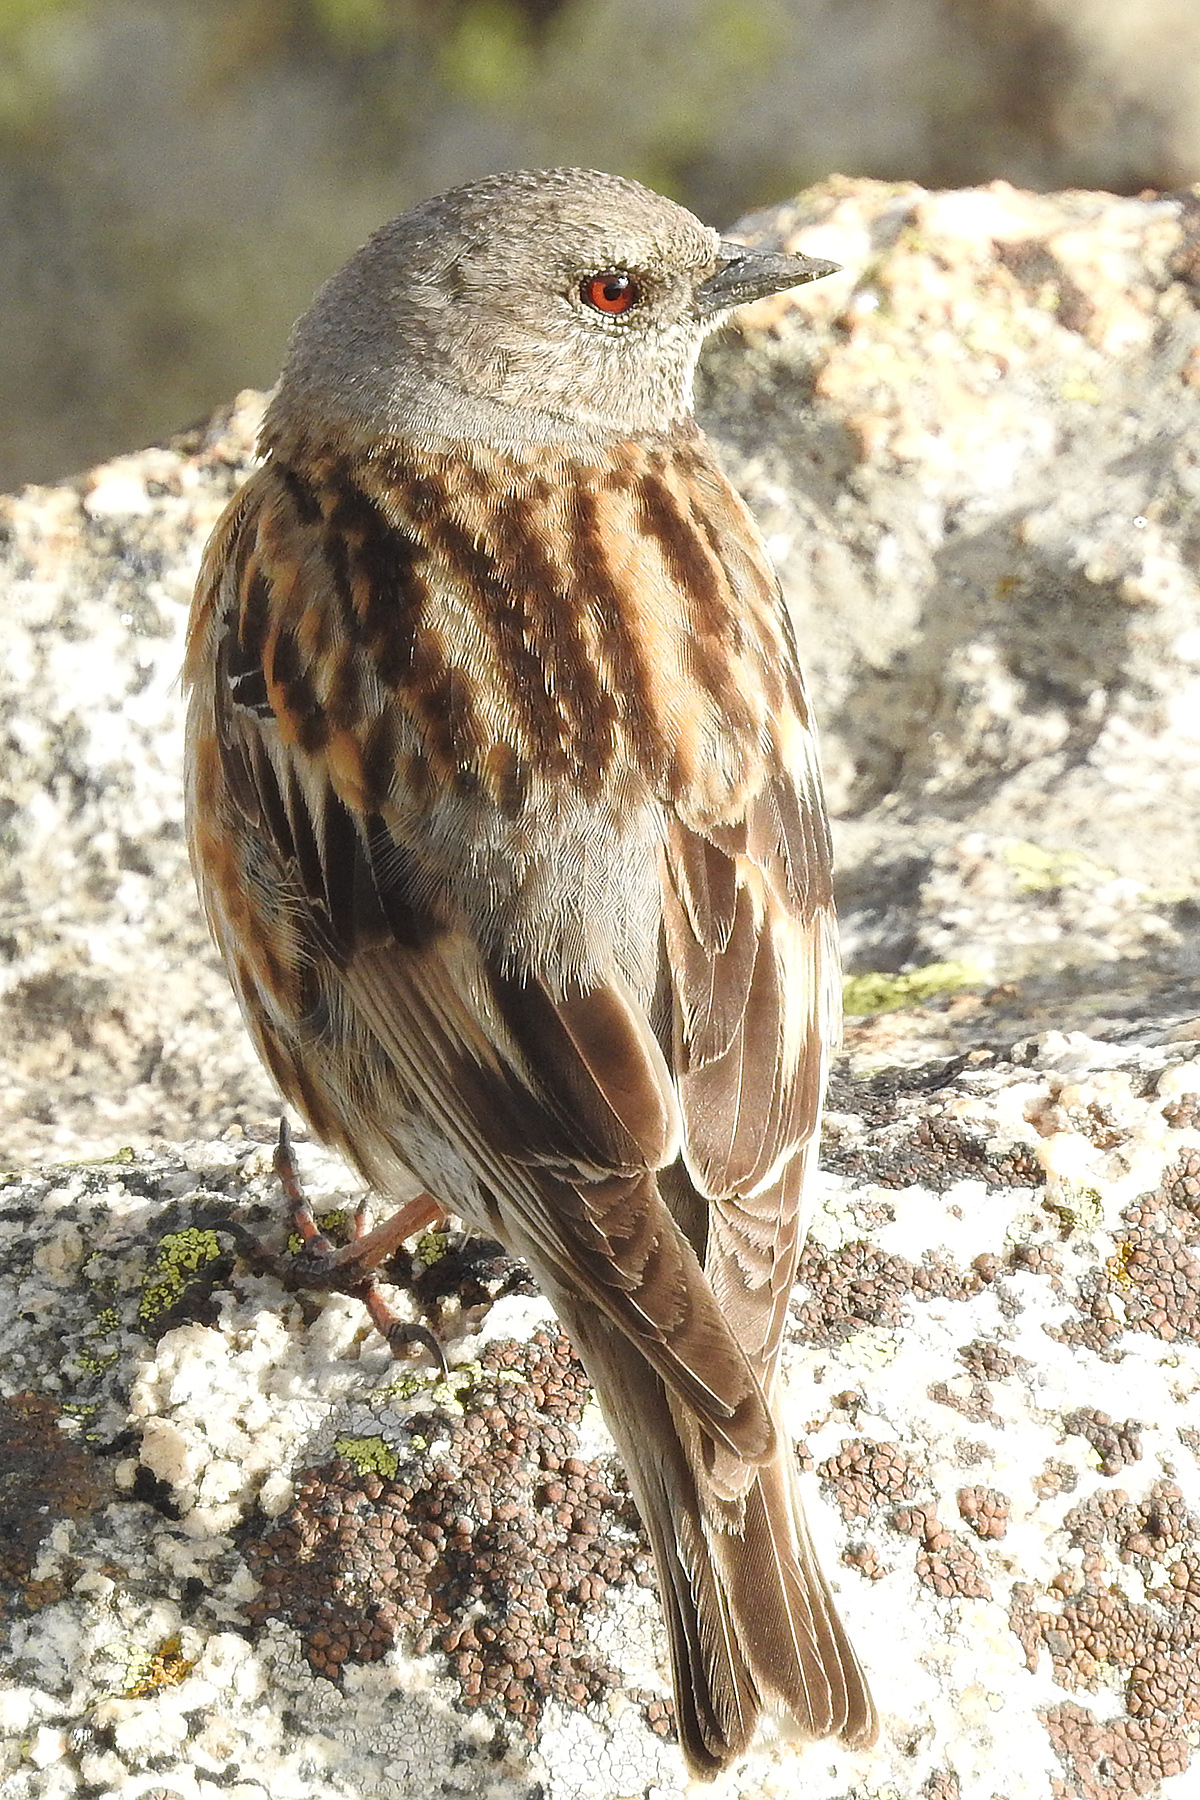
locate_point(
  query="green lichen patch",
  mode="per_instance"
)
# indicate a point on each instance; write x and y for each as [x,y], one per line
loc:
[368,1455]
[878,991]
[1039,871]
[336,1225]
[450,1392]
[1080,1210]
[182,1256]
[431,1247]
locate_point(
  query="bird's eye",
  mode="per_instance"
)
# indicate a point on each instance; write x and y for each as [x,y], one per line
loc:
[612,291]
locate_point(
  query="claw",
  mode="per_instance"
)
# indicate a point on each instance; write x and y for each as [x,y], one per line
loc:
[351,1268]
[401,1334]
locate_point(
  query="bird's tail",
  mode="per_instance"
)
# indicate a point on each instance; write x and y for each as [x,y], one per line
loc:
[750,1617]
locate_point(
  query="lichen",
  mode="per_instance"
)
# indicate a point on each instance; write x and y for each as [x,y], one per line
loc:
[432,1246]
[148,1671]
[449,1392]
[1039,871]
[181,1255]
[1080,1209]
[336,1225]
[368,1455]
[879,991]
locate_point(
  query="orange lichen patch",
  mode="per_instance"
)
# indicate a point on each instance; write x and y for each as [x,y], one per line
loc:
[1115,1444]
[863,1558]
[984,1510]
[1107,1760]
[933,1152]
[989,1361]
[945,1562]
[857,1284]
[165,1667]
[974,1404]
[866,1477]
[1152,1284]
[1183,1114]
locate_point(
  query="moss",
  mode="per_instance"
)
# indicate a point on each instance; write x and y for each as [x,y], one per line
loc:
[877,992]
[181,1255]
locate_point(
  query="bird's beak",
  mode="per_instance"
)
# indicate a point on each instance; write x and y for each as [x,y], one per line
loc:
[743,274]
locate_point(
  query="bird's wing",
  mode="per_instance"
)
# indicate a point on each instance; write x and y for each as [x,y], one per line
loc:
[752,947]
[560,1104]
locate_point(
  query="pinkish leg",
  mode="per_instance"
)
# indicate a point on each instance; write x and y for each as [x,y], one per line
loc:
[351,1268]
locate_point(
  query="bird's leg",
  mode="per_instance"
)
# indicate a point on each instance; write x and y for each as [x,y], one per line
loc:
[351,1268]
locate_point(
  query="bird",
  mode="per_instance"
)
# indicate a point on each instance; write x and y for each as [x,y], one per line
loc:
[505,807]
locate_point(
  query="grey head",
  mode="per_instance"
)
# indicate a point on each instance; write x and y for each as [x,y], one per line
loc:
[558,306]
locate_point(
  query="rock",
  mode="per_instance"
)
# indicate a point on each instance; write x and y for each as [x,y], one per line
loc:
[242,1546]
[117,1020]
[971,456]
[177,179]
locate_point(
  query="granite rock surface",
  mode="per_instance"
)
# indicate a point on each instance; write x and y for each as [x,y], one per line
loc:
[245,1551]
[985,513]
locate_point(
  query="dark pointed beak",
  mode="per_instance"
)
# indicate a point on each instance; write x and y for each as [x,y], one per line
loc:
[744,274]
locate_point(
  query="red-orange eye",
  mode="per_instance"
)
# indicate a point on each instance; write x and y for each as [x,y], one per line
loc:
[612,291]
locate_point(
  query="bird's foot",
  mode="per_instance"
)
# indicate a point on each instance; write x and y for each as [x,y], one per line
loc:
[351,1268]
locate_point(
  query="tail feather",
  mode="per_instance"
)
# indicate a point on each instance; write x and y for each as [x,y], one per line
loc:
[791,1634]
[750,1618]
[717,1700]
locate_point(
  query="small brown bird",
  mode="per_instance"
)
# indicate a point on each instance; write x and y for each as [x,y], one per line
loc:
[506,813]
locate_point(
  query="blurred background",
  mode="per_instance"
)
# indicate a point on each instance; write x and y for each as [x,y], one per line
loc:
[176,176]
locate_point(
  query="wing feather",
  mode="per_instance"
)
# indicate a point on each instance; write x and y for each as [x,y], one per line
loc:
[609,1237]
[751,944]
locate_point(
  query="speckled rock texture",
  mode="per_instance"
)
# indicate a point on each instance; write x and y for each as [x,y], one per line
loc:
[116,1021]
[244,1552]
